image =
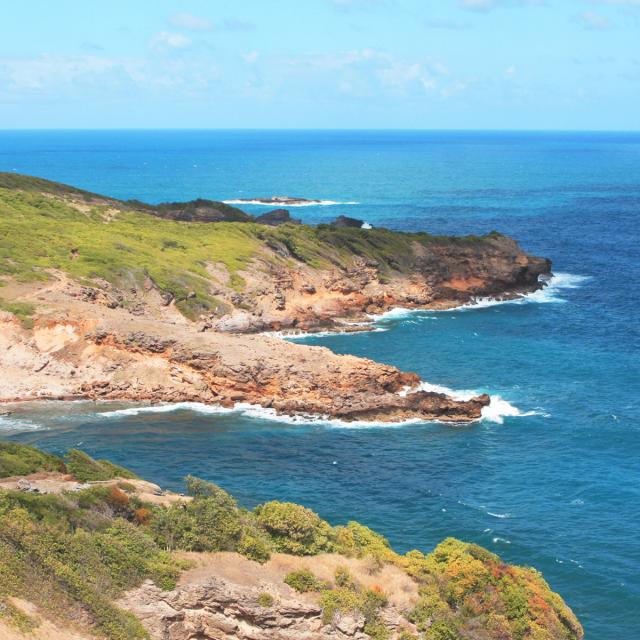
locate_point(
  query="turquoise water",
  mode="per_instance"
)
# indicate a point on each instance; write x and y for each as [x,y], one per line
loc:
[556,487]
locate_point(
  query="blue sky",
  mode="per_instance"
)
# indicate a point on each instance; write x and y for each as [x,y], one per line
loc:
[432,64]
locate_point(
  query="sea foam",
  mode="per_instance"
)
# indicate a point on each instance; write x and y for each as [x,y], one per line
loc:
[551,292]
[496,411]
[253,411]
[8,423]
[319,203]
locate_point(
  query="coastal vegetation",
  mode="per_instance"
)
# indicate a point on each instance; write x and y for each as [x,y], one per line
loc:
[49,226]
[74,553]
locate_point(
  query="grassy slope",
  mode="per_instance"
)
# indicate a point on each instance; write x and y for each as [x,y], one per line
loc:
[40,228]
[78,552]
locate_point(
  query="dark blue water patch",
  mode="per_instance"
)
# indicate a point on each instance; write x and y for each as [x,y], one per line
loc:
[558,488]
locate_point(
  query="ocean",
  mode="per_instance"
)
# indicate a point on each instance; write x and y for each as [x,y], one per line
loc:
[552,478]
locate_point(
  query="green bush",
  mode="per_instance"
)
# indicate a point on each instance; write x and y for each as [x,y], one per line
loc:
[265,600]
[354,600]
[304,581]
[85,469]
[211,522]
[377,630]
[294,529]
[343,577]
[256,548]
[357,540]
[18,460]
[443,630]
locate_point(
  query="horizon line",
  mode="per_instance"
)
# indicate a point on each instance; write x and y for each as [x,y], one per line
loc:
[319,129]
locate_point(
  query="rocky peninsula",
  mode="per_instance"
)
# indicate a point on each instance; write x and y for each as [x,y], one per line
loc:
[110,299]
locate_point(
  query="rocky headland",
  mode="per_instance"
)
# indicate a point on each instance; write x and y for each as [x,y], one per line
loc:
[90,551]
[123,300]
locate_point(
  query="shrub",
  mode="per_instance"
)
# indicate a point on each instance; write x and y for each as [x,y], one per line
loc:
[377,630]
[142,516]
[211,522]
[358,540]
[304,581]
[344,578]
[339,601]
[265,600]
[443,630]
[19,460]
[344,600]
[294,529]
[118,498]
[255,548]
[85,469]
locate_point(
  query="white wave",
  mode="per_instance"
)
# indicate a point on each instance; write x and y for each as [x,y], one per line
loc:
[197,407]
[8,423]
[496,411]
[496,540]
[396,313]
[549,293]
[502,516]
[302,335]
[314,203]
[253,411]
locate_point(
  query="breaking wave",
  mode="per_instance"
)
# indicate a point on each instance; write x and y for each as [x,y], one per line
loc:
[496,411]
[315,203]
[7,423]
[549,293]
[252,411]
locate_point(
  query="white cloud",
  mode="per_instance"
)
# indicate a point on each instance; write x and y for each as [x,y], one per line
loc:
[190,22]
[595,21]
[511,71]
[168,40]
[35,74]
[347,5]
[619,3]
[484,6]
[236,24]
[250,57]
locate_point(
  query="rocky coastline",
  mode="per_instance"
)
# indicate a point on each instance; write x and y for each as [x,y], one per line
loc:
[185,325]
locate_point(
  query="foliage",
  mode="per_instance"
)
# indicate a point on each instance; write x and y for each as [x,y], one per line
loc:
[77,552]
[22,310]
[211,522]
[46,225]
[352,600]
[304,581]
[255,545]
[265,599]
[377,630]
[465,586]
[18,459]
[294,529]
[62,568]
[343,577]
[357,540]
[85,469]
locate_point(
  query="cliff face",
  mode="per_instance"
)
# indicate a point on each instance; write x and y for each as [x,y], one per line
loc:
[112,358]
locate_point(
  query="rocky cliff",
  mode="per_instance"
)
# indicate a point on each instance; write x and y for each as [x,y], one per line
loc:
[125,300]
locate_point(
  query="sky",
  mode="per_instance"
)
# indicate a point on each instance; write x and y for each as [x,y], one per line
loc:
[406,64]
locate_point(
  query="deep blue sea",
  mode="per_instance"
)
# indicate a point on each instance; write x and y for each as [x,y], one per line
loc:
[558,487]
